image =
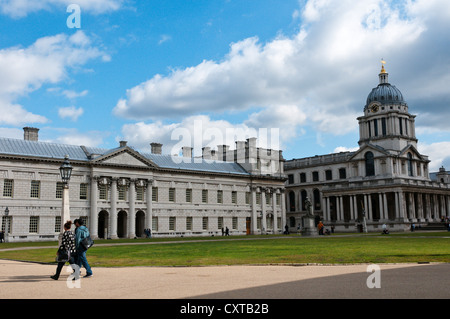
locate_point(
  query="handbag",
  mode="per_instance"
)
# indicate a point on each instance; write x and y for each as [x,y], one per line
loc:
[62,255]
[87,243]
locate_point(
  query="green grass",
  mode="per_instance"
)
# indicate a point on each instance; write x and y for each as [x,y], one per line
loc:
[361,248]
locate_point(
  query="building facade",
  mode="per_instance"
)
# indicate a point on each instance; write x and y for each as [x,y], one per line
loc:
[386,181]
[121,192]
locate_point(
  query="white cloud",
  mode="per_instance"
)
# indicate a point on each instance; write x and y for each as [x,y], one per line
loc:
[164,38]
[323,73]
[438,153]
[21,8]
[47,60]
[70,112]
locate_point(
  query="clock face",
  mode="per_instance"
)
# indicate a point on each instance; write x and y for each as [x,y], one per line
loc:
[374,108]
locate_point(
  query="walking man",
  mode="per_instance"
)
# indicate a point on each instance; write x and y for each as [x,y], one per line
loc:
[82,232]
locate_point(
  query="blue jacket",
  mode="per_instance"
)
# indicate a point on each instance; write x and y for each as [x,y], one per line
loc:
[80,233]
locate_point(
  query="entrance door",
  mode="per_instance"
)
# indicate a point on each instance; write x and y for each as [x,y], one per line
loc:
[140,223]
[248,223]
[103,217]
[122,224]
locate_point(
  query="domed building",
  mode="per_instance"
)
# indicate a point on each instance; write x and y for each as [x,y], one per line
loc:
[386,181]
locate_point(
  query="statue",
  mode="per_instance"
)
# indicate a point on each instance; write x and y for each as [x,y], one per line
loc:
[309,228]
[308,206]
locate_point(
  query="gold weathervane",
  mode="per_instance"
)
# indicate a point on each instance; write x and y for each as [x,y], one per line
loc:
[382,66]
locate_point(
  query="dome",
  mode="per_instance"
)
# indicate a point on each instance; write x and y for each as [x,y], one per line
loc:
[385,93]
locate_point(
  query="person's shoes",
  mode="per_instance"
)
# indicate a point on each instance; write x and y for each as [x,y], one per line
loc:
[88,275]
[54,277]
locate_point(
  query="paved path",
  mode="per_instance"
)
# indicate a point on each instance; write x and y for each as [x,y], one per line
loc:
[21,280]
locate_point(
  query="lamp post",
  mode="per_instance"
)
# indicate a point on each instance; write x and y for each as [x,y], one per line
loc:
[65,171]
[7,223]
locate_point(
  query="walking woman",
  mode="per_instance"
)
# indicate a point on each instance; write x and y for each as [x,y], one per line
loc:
[67,245]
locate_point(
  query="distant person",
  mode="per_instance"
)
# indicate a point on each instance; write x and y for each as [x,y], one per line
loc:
[286,230]
[320,228]
[82,232]
[67,244]
[2,236]
[227,232]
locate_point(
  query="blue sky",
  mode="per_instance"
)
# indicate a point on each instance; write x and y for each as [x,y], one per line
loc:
[142,70]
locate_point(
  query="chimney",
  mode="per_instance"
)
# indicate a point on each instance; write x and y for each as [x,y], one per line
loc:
[222,151]
[156,148]
[206,152]
[30,134]
[187,151]
[123,143]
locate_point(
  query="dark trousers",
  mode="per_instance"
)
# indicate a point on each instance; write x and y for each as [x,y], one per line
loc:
[61,265]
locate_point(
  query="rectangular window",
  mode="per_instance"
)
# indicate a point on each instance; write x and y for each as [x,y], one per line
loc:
[401,126]
[59,189]
[6,224]
[139,193]
[383,126]
[375,127]
[171,194]
[188,223]
[83,191]
[247,198]
[219,222]
[154,194]
[302,178]
[278,196]
[103,192]
[8,186]
[204,196]
[234,197]
[57,224]
[268,199]
[122,193]
[342,173]
[205,223]
[258,198]
[154,223]
[329,174]
[35,189]
[172,221]
[235,223]
[219,197]
[34,225]
[291,179]
[315,176]
[189,195]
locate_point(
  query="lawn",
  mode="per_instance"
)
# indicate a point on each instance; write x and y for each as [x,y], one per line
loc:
[361,248]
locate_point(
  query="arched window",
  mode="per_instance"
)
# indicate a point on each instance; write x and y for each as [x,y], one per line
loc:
[316,194]
[410,165]
[370,164]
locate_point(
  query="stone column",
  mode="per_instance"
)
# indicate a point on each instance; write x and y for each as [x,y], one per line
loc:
[93,229]
[385,207]
[263,210]
[254,216]
[132,209]
[283,209]
[274,210]
[149,199]
[113,214]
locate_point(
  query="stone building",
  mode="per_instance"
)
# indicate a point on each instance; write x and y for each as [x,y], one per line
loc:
[120,192]
[386,181]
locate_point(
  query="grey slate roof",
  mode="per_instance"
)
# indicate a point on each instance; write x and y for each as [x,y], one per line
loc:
[18,147]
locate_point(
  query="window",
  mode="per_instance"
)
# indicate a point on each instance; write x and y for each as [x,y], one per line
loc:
[370,164]
[383,126]
[219,222]
[204,196]
[375,126]
[122,193]
[258,198]
[8,186]
[291,201]
[103,192]
[205,223]
[171,194]
[59,189]
[268,199]
[83,191]
[57,224]
[328,175]
[172,221]
[35,189]
[154,223]
[154,194]
[234,223]
[302,178]
[291,179]
[401,126]
[342,173]
[188,223]
[233,197]
[219,197]
[140,193]
[315,176]
[278,198]
[189,195]
[247,198]
[34,225]
[410,165]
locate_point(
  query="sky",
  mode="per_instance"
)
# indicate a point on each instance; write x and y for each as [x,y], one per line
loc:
[293,73]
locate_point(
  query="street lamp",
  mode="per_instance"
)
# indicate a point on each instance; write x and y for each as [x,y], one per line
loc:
[65,171]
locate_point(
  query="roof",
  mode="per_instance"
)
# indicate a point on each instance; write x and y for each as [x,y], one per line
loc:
[18,147]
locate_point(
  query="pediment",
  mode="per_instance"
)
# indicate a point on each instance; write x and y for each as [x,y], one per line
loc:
[376,150]
[124,157]
[415,153]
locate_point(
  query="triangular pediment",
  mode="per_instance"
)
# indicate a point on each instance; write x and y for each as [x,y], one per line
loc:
[411,149]
[376,150]
[124,157]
